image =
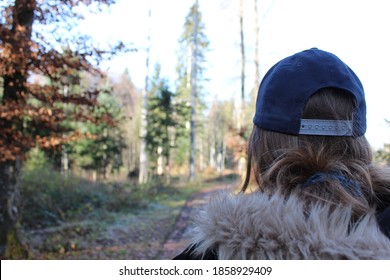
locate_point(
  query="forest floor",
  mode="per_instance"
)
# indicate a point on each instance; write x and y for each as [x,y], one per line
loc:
[154,232]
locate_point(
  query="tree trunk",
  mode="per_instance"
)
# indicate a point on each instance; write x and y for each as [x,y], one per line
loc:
[223,155]
[242,113]
[167,154]
[64,152]
[143,164]
[160,161]
[212,153]
[168,167]
[257,75]
[14,91]
[193,94]
[11,246]
[201,155]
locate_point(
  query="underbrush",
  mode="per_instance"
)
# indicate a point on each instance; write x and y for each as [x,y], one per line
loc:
[67,217]
[50,199]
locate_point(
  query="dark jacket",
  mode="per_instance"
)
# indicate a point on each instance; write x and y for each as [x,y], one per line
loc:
[260,226]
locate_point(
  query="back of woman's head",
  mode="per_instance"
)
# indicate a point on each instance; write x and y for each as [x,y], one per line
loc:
[322,165]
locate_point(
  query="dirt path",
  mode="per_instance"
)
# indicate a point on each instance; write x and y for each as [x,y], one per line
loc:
[177,241]
[157,232]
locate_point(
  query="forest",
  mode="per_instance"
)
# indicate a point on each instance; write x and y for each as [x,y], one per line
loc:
[82,153]
[93,166]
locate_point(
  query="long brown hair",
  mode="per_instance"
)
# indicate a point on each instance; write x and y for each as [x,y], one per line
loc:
[281,163]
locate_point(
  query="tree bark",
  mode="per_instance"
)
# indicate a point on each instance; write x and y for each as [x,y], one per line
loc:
[212,152]
[11,246]
[14,86]
[143,159]
[160,161]
[242,46]
[193,93]
[257,74]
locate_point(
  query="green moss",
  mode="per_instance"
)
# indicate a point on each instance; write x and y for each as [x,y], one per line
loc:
[15,248]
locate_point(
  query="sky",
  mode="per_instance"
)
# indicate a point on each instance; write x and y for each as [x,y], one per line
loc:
[355,30]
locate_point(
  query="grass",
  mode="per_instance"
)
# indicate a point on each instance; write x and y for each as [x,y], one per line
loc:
[72,218]
[49,199]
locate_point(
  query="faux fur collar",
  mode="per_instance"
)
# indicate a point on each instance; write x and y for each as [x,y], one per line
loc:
[259,226]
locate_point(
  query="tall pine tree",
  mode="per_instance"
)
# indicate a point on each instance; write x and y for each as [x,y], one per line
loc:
[193,47]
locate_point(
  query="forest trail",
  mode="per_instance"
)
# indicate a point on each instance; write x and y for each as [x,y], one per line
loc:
[177,241]
[155,232]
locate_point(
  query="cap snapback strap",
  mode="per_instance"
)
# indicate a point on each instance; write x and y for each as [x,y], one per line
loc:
[326,127]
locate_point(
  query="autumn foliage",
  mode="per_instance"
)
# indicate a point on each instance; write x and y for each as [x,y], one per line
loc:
[42,57]
[36,71]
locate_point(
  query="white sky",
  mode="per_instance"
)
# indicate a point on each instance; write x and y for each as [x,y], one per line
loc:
[355,30]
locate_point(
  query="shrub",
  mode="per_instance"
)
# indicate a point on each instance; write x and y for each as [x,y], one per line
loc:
[49,199]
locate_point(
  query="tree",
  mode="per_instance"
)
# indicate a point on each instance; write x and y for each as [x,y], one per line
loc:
[162,112]
[35,40]
[102,151]
[130,98]
[165,115]
[242,47]
[143,157]
[256,58]
[193,44]
[219,134]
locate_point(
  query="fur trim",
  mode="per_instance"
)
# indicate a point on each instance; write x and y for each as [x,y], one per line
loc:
[259,226]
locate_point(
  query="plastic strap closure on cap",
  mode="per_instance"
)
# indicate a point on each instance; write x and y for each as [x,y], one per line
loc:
[326,127]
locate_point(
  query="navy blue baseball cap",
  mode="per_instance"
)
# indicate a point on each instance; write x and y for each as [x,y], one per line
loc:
[288,85]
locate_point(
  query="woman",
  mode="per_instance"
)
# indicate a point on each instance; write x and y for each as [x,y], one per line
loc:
[318,194]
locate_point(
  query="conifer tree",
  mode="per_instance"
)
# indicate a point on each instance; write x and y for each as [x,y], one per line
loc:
[130,99]
[165,113]
[193,47]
